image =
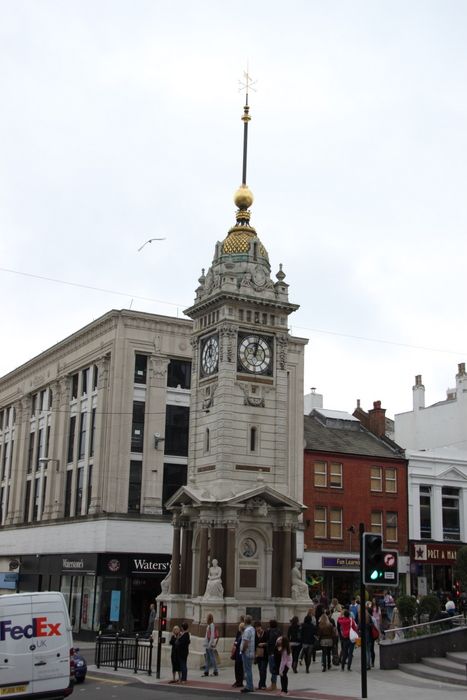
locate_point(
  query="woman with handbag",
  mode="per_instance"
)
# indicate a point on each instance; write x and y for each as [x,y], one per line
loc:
[349,635]
[326,631]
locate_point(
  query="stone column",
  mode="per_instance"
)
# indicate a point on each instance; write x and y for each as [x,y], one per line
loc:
[202,559]
[286,566]
[175,579]
[229,579]
[277,558]
[186,558]
[18,463]
[293,551]
[102,421]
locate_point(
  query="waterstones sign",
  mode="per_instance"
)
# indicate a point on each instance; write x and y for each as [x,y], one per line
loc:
[149,565]
[78,564]
[340,562]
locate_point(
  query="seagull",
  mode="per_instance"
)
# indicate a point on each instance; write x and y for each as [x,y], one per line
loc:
[150,241]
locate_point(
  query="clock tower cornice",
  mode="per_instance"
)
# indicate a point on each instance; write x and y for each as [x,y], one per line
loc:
[215,302]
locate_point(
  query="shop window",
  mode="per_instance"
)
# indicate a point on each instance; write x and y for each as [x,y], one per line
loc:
[141,368]
[335,523]
[92,436]
[36,496]
[71,439]
[451,521]
[79,490]
[40,447]
[83,420]
[47,441]
[68,485]
[376,522]
[134,487]
[391,527]
[84,382]
[176,430]
[27,498]
[89,490]
[390,478]
[174,477]
[4,456]
[32,437]
[320,474]
[335,475]
[320,522]
[137,428]
[376,479]
[74,386]
[425,512]
[95,377]
[179,374]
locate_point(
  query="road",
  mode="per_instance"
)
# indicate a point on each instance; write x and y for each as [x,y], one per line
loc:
[110,688]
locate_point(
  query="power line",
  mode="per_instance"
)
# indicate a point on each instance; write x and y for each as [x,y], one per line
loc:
[339,334]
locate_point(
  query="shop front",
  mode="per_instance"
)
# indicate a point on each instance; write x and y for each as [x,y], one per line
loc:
[432,567]
[9,574]
[104,592]
[337,576]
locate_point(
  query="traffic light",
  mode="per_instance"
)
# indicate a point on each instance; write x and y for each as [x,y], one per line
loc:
[163,617]
[373,560]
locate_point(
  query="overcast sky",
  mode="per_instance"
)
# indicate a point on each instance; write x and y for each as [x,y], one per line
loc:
[120,121]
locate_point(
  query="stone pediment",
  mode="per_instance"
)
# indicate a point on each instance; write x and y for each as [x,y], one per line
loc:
[254,497]
[454,474]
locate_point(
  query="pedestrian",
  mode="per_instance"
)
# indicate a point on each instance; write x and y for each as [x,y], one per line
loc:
[209,644]
[346,623]
[247,649]
[353,609]
[261,655]
[271,636]
[174,657]
[389,605]
[286,662]
[294,637]
[326,632]
[151,620]
[237,657]
[182,644]
[308,634]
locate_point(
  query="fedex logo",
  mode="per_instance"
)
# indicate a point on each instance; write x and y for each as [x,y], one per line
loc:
[39,627]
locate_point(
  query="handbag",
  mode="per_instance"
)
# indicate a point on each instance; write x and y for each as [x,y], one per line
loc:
[326,642]
[353,635]
[374,632]
[232,653]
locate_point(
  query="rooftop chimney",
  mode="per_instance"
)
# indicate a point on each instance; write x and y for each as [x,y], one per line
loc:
[418,392]
[377,419]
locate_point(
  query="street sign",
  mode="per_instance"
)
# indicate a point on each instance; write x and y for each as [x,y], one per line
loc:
[390,568]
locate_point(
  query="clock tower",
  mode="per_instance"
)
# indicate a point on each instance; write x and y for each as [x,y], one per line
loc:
[242,505]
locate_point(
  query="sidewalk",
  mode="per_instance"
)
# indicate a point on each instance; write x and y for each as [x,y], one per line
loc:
[316,685]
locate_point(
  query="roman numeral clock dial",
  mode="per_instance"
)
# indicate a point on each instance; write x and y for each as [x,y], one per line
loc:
[209,356]
[255,354]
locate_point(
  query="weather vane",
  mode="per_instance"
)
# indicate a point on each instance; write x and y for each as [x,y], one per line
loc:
[246,84]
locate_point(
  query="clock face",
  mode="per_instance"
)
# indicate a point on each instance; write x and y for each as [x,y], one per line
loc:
[254,354]
[210,355]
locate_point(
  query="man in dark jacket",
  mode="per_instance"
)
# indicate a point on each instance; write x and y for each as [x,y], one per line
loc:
[270,637]
[308,634]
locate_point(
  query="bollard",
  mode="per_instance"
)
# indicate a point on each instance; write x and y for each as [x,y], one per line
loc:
[116,653]
[136,653]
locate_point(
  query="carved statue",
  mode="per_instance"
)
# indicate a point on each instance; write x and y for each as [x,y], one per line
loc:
[214,587]
[299,587]
[165,583]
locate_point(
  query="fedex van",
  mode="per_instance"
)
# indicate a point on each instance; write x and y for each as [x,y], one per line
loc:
[35,646]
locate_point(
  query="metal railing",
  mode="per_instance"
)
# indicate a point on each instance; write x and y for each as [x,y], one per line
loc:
[443,624]
[118,651]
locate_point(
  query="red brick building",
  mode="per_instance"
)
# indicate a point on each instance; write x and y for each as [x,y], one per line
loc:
[351,476]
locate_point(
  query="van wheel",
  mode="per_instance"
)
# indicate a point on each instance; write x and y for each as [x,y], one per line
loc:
[81,679]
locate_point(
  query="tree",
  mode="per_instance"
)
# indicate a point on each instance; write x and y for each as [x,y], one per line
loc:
[407,607]
[429,605]
[460,570]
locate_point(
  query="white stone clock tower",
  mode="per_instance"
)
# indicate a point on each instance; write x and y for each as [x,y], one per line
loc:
[243,501]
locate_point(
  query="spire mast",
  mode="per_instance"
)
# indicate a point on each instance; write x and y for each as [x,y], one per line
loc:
[246,84]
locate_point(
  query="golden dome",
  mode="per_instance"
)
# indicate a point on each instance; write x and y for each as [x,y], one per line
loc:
[243,197]
[237,243]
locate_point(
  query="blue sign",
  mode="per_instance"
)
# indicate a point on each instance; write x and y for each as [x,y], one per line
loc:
[340,562]
[9,581]
[115,606]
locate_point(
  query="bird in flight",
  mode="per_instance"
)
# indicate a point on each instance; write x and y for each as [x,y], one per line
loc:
[150,241]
